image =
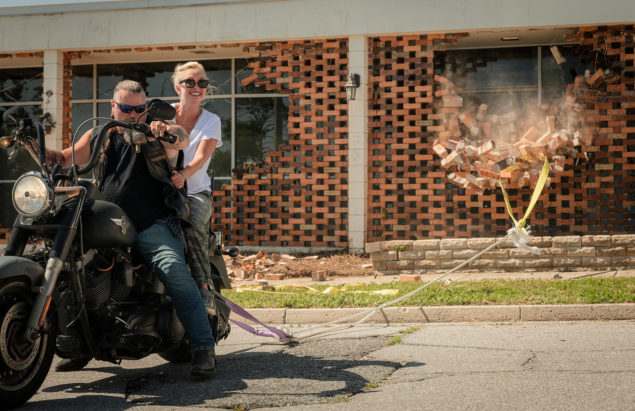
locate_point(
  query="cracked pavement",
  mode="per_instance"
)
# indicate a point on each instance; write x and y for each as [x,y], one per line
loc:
[517,365]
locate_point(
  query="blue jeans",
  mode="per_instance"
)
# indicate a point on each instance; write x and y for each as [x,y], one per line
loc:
[197,236]
[164,253]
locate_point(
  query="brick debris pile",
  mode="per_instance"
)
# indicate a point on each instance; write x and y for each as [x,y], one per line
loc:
[264,266]
[478,148]
[255,266]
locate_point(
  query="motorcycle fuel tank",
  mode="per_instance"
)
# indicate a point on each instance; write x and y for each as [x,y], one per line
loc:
[107,225]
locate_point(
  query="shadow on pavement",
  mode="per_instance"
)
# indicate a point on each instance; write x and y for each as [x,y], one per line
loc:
[315,371]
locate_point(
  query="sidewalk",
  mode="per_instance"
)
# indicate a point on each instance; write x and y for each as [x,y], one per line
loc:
[433,314]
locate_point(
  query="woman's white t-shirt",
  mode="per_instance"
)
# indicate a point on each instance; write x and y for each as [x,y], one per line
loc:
[207,126]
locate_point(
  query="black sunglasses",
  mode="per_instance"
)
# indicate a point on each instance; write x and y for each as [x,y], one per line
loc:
[128,109]
[190,83]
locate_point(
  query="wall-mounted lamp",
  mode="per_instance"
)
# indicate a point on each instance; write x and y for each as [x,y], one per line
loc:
[47,122]
[351,86]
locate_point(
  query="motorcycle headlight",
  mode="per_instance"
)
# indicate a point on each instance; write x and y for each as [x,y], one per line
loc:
[32,197]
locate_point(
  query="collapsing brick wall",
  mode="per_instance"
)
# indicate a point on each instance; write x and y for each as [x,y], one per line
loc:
[299,195]
[411,196]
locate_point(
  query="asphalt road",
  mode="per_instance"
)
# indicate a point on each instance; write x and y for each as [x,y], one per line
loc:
[494,366]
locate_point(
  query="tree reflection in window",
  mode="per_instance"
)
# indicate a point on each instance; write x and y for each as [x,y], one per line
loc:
[261,126]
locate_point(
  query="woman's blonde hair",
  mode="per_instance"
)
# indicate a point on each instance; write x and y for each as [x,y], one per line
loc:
[180,68]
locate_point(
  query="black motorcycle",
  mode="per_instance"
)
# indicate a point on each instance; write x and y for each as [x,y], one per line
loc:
[71,281]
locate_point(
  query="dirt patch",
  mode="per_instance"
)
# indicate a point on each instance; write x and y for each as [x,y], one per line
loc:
[261,265]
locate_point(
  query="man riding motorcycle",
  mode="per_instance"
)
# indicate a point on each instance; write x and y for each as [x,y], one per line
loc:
[131,178]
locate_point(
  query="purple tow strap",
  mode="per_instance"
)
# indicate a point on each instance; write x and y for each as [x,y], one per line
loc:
[269,332]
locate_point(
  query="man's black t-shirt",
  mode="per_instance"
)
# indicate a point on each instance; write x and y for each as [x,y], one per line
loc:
[128,183]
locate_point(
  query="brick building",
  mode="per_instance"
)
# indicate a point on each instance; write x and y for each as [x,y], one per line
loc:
[303,166]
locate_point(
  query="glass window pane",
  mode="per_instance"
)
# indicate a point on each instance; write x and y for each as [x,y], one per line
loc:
[222,157]
[104,110]
[219,73]
[7,213]
[555,77]
[242,72]
[81,113]
[489,68]
[20,163]
[523,103]
[34,112]
[21,84]
[154,77]
[82,82]
[261,126]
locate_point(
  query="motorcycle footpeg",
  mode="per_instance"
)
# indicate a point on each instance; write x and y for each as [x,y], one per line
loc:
[69,344]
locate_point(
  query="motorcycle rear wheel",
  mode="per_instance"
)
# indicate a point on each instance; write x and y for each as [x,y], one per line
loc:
[23,365]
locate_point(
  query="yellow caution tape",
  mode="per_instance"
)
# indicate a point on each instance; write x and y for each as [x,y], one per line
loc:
[295,287]
[355,285]
[542,179]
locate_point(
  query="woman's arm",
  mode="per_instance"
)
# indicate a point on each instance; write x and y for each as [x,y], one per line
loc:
[203,152]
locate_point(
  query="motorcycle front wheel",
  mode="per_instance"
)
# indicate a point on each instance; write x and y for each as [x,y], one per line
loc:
[23,365]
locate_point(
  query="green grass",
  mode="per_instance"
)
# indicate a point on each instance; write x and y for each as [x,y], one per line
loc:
[484,292]
[395,340]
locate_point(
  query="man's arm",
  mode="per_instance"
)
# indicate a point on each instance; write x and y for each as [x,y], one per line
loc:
[182,138]
[64,157]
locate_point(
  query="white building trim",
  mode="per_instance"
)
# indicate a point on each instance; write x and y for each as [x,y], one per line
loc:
[293,19]
[358,145]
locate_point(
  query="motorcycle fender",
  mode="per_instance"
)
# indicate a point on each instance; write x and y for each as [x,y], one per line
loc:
[218,262]
[12,266]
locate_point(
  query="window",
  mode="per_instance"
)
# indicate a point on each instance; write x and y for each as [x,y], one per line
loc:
[254,121]
[518,78]
[18,87]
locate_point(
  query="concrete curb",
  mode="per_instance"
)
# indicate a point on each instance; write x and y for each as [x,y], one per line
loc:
[491,313]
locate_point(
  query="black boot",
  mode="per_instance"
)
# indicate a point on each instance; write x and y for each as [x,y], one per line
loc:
[203,363]
[71,364]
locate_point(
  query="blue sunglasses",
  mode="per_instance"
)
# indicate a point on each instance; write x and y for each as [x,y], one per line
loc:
[128,109]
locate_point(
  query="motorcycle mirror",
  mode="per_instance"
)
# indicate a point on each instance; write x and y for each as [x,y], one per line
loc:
[14,115]
[160,110]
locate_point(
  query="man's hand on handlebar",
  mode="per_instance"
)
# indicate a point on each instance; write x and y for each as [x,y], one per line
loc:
[158,128]
[172,136]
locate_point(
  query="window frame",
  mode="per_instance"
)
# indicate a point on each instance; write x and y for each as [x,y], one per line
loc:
[232,96]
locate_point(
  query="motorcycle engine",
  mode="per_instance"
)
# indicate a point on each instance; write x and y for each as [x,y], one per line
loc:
[109,278]
[134,315]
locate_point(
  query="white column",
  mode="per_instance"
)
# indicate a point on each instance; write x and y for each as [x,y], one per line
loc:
[53,95]
[358,145]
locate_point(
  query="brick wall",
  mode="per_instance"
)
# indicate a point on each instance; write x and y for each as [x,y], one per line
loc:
[299,195]
[562,252]
[410,196]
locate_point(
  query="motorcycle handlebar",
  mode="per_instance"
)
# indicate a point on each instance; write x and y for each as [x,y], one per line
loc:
[142,127]
[145,129]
